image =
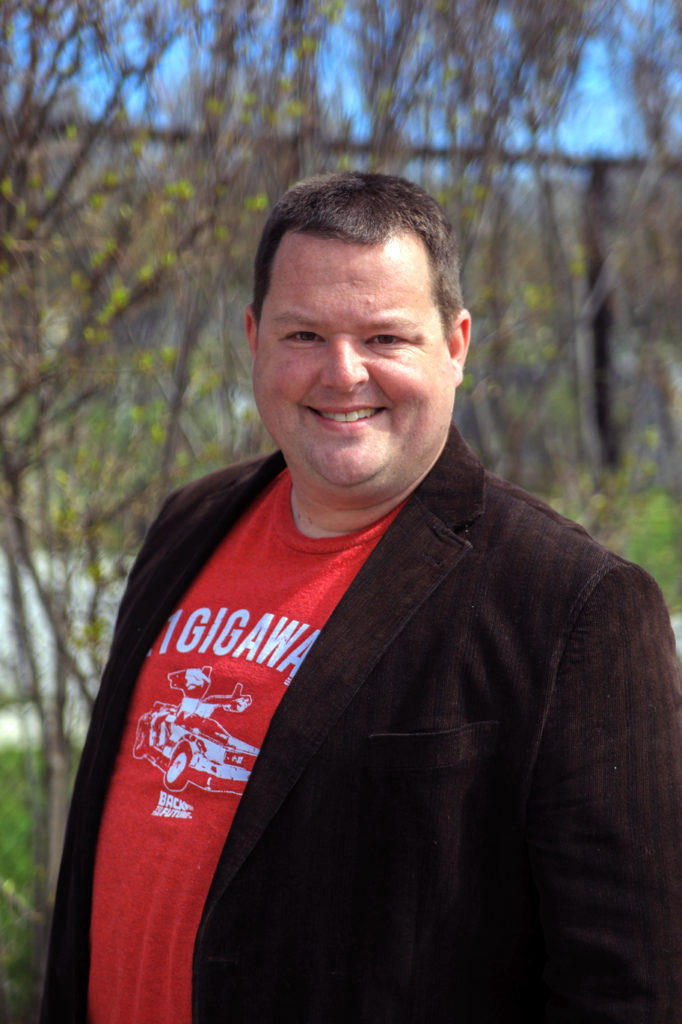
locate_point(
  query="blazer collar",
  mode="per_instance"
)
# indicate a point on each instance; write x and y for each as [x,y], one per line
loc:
[454,489]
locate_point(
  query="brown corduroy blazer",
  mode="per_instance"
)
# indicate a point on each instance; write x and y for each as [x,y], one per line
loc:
[468,806]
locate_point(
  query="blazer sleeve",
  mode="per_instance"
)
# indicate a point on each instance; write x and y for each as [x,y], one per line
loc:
[605,812]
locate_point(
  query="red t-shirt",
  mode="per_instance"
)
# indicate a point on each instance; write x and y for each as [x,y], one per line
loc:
[201,707]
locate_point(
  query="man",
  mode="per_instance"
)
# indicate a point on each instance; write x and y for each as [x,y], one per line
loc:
[463,800]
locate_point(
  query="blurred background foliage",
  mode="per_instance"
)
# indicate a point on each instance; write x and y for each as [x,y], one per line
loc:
[141,146]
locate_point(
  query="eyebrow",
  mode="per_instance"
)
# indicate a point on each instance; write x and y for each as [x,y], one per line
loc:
[385,324]
[288,315]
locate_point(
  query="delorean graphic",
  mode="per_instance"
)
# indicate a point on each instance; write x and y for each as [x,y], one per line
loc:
[188,742]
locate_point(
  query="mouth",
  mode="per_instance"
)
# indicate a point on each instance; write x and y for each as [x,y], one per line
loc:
[347,417]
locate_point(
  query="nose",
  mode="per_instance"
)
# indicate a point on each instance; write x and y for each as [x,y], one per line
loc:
[343,365]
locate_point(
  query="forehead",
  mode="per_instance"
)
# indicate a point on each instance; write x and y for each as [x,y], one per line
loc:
[302,260]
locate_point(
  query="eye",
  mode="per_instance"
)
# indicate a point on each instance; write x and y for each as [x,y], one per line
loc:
[305,336]
[385,339]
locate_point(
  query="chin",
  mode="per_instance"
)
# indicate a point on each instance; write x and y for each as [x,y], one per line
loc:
[348,475]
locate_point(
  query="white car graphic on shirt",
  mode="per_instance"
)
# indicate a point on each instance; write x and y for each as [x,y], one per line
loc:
[188,742]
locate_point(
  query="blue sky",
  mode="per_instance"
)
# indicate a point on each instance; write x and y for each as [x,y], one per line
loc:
[598,117]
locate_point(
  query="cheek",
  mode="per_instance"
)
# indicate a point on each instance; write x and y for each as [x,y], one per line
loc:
[277,382]
[431,388]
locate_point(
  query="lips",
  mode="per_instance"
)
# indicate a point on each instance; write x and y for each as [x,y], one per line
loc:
[347,417]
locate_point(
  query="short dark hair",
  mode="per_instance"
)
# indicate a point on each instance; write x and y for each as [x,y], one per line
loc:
[364,209]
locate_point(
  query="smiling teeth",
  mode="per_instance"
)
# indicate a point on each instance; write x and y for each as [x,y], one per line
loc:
[348,417]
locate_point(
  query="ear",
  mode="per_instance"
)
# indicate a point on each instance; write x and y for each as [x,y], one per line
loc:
[251,329]
[458,342]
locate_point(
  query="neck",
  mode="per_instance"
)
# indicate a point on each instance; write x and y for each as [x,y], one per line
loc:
[321,520]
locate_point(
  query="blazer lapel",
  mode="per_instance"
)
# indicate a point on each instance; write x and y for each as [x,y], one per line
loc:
[417,552]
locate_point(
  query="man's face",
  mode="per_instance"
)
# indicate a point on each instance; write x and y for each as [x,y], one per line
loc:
[352,373]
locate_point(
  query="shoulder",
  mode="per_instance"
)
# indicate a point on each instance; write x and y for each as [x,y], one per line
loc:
[531,518]
[193,518]
[526,561]
[518,519]
[551,569]
[517,536]
[216,498]
[217,487]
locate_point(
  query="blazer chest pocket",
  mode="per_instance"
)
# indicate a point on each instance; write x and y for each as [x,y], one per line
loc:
[427,750]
